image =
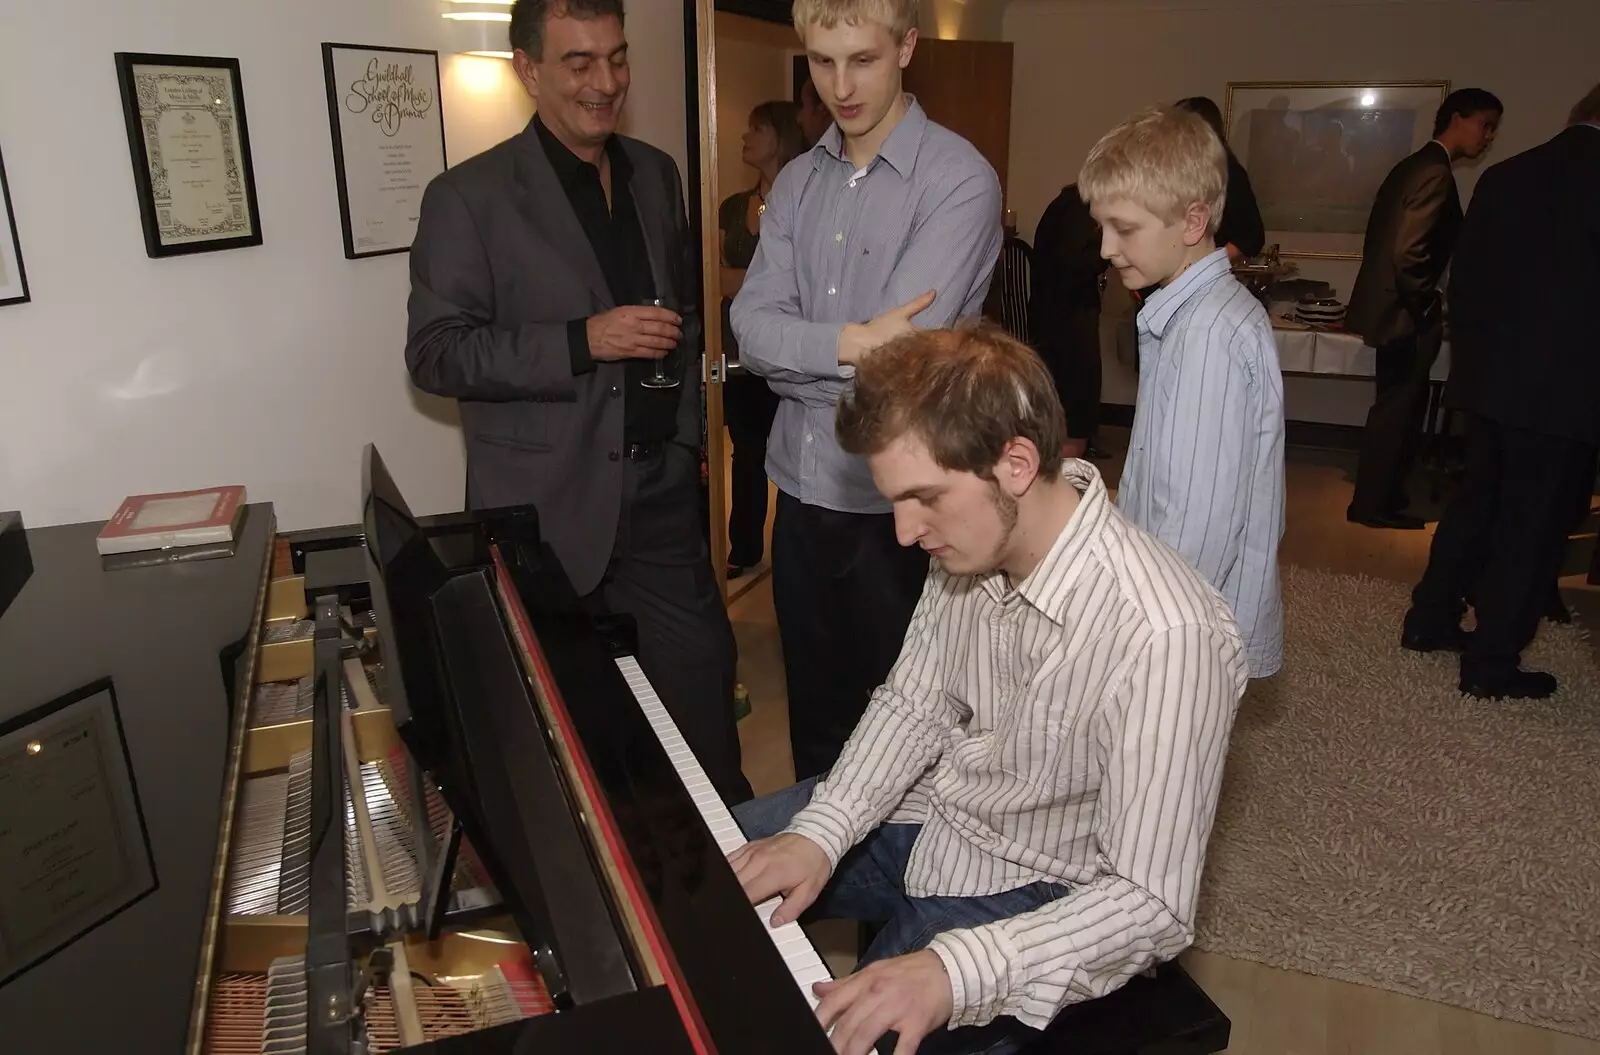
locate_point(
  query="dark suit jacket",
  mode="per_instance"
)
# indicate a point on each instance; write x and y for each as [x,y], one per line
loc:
[499,266]
[1525,347]
[1410,235]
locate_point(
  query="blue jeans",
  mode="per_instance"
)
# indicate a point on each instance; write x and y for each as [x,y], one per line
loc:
[869,885]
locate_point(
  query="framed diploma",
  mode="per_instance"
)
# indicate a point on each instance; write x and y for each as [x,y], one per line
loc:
[191,152]
[13,280]
[73,847]
[388,141]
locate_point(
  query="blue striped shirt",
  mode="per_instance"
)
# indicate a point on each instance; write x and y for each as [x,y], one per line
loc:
[841,245]
[1205,466]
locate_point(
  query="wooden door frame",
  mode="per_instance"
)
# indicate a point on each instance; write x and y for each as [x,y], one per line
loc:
[700,127]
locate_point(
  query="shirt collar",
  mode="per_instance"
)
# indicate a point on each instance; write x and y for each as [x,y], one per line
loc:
[899,150]
[1050,584]
[570,168]
[1158,311]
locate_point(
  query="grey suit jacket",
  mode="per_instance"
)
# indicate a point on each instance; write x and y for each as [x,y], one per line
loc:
[499,266]
[1411,233]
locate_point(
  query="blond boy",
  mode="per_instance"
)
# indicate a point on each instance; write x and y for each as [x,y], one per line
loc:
[1205,466]
[889,220]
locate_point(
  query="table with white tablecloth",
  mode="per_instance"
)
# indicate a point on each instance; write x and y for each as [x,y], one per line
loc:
[1328,353]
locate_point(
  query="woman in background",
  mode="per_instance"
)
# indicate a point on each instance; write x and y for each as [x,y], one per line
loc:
[773,139]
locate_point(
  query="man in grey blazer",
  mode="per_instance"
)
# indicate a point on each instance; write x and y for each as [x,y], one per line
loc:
[532,276]
[1397,306]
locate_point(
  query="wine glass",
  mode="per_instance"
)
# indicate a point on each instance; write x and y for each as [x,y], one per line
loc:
[659,379]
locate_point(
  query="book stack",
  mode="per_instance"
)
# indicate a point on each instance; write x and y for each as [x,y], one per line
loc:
[172,527]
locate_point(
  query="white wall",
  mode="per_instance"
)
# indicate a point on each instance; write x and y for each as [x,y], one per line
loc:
[268,366]
[1084,65]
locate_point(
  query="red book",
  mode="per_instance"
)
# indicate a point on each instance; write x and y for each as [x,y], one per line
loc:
[172,520]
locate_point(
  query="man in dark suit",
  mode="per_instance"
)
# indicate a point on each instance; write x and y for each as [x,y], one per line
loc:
[1526,369]
[1397,306]
[532,274]
[1064,311]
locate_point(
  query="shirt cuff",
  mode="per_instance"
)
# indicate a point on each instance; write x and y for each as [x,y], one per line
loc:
[976,961]
[826,825]
[819,351]
[578,347]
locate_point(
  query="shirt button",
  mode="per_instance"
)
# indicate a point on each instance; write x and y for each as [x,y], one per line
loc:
[852,183]
[615,391]
[831,291]
[614,455]
[839,237]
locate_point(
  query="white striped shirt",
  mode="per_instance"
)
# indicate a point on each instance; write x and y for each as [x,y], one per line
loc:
[1072,729]
[1205,464]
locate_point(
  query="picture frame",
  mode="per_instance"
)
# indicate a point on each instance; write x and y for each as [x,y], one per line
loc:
[13,275]
[189,141]
[1317,151]
[385,116]
[76,851]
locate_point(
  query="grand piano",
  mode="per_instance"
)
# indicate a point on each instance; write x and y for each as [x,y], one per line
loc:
[404,794]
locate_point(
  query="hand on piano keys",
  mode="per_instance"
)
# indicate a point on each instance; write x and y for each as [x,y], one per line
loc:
[789,865]
[908,994]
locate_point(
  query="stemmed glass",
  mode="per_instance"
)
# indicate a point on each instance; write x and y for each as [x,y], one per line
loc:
[659,379]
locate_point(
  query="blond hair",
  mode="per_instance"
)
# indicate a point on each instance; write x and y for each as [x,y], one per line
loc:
[1163,159]
[898,15]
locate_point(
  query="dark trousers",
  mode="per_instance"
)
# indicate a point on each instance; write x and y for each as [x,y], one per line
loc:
[844,590]
[748,407]
[1073,356]
[660,574]
[1501,541]
[869,885]
[1394,424]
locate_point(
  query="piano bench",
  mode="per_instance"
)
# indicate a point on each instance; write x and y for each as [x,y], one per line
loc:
[1168,1014]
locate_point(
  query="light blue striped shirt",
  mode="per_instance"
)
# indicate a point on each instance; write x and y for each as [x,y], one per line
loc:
[840,245]
[1205,466]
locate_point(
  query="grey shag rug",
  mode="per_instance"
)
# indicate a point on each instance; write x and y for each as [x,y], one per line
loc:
[1378,827]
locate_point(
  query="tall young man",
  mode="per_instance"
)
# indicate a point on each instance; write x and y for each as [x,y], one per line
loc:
[1397,305]
[888,219]
[1025,806]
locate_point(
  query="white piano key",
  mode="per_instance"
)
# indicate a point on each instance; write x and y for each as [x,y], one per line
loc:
[798,954]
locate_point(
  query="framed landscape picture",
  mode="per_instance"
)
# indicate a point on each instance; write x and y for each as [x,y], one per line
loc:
[1317,151]
[13,279]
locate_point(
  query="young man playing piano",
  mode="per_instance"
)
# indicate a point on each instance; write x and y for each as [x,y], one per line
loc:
[889,218]
[1025,805]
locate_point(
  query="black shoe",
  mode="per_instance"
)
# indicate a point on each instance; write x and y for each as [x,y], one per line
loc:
[1393,521]
[734,571]
[1509,685]
[1454,639]
[1556,610]
[1094,453]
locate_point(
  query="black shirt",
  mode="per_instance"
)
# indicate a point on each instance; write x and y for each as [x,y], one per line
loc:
[650,414]
[1241,216]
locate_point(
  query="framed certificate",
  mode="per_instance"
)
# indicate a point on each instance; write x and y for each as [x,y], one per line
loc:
[191,152]
[73,847]
[388,141]
[13,279]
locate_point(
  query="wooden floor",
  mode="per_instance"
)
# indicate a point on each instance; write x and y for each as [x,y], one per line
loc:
[1273,1012]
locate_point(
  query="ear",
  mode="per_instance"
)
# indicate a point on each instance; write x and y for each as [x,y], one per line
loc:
[1196,223]
[907,46]
[1018,467]
[527,72]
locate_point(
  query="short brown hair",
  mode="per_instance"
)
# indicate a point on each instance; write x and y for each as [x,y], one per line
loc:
[898,16]
[964,392]
[1163,159]
[1588,108]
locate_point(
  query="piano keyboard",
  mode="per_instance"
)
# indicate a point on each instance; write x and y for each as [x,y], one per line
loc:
[805,966]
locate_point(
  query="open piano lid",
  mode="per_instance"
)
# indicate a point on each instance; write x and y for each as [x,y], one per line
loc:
[565,792]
